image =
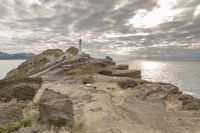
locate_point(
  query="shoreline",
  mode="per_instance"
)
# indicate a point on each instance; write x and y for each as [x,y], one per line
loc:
[80,94]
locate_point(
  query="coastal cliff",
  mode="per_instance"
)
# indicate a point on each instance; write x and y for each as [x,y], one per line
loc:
[65,92]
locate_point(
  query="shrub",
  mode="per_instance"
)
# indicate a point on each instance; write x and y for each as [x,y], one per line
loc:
[18,76]
[15,126]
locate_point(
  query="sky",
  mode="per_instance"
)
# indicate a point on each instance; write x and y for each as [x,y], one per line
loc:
[131,29]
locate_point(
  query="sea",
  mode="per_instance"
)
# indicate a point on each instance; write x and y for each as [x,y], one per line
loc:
[183,74]
[7,65]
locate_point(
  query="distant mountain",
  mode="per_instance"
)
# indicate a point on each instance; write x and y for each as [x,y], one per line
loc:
[6,56]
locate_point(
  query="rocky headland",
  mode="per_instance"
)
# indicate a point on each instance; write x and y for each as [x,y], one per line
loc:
[16,56]
[63,92]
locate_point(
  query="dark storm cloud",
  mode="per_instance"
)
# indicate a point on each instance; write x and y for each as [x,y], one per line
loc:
[104,25]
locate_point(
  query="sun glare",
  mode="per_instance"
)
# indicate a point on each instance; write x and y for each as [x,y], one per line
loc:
[163,12]
[150,65]
[197,11]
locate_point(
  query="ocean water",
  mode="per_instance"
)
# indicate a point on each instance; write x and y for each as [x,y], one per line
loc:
[183,74]
[7,65]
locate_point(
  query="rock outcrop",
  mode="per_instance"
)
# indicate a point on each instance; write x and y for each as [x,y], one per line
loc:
[36,64]
[20,90]
[81,94]
[56,109]
[121,67]
[14,97]
[11,112]
[127,73]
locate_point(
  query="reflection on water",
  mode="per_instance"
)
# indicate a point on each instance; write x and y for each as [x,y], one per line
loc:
[184,74]
[152,65]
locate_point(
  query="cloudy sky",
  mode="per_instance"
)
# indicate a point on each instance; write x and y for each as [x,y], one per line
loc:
[146,29]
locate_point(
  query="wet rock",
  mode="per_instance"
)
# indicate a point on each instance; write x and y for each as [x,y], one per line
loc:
[127,73]
[56,109]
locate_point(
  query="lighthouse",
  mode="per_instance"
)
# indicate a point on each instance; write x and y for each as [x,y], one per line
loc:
[80,47]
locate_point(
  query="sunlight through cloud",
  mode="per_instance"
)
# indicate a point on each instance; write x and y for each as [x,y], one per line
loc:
[163,12]
[197,11]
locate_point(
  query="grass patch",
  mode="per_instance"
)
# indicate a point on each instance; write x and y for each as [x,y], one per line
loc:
[18,76]
[73,51]
[15,126]
[43,60]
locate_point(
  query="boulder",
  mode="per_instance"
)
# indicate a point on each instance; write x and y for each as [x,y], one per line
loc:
[55,109]
[24,92]
[121,67]
[21,90]
[127,73]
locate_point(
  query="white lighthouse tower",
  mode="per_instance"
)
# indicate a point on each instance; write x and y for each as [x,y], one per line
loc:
[80,47]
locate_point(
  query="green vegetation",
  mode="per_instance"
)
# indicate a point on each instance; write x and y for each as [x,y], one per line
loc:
[34,65]
[43,60]
[73,51]
[18,76]
[15,126]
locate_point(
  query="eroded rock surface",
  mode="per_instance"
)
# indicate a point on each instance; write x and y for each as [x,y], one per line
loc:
[21,90]
[10,113]
[55,109]
[87,95]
